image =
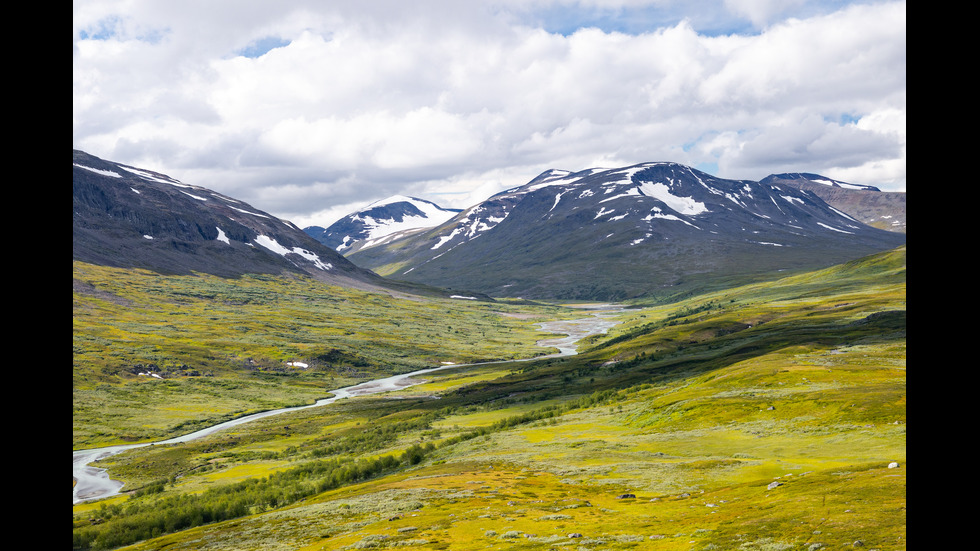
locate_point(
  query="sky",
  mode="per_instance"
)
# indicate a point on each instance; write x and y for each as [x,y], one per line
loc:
[311,109]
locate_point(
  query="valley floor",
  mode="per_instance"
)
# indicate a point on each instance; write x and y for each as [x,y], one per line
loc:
[769,417]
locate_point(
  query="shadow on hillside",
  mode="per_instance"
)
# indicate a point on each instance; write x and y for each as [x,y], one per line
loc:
[587,374]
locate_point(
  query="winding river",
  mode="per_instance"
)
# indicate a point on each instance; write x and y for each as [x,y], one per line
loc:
[94,483]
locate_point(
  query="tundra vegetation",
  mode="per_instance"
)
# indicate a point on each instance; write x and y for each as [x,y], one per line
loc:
[765,417]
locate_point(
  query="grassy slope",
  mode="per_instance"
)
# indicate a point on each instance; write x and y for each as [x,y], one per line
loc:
[696,408]
[222,346]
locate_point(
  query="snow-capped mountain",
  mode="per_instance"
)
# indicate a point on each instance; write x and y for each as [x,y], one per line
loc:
[653,228]
[135,218]
[381,222]
[884,210]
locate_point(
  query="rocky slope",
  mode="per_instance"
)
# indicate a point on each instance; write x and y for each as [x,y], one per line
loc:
[881,209]
[130,217]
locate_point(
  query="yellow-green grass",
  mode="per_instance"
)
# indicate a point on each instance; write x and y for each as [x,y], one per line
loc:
[668,439]
[710,479]
[479,506]
[706,404]
[223,345]
[488,417]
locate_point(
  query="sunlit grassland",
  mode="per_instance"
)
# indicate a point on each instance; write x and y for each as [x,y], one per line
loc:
[749,421]
[223,345]
[480,506]
[761,418]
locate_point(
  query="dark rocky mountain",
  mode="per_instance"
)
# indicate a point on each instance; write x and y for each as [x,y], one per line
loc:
[659,229]
[130,217]
[880,209]
[381,221]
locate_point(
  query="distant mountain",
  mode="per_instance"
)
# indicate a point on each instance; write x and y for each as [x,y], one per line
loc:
[821,181]
[130,217]
[883,210]
[651,229]
[380,222]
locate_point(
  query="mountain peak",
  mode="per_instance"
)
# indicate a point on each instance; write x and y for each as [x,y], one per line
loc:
[136,218]
[395,215]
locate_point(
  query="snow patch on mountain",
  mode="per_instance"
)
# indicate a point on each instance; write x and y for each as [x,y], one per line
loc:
[627,174]
[839,184]
[636,242]
[192,196]
[682,205]
[603,212]
[222,237]
[153,178]
[431,216]
[477,220]
[842,213]
[391,217]
[109,173]
[553,177]
[274,246]
[833,228]
[630,192]
[250,213]
[557,199]
[446,238]
[659,214]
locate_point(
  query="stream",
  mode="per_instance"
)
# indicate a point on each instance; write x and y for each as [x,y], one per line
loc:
[94,483]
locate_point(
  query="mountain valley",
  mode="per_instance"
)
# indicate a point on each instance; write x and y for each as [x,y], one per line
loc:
[750,393]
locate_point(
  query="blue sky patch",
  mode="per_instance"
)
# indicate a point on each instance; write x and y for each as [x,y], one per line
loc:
[262,46]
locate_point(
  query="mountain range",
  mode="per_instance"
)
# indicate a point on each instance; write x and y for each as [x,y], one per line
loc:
[652,229]
[660,229]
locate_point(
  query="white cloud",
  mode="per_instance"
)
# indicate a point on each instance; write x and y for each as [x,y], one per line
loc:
[361,100]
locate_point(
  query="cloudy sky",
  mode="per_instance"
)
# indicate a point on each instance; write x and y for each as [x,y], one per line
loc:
[309,109]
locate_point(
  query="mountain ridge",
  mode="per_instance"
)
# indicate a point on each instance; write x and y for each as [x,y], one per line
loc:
[652,228]
[131,217]
[880,209]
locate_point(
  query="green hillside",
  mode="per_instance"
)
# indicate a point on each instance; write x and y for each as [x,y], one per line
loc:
[761,418]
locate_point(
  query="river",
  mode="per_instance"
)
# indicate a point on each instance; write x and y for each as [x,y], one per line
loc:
[94,483]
